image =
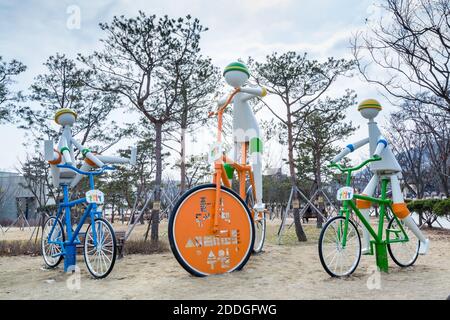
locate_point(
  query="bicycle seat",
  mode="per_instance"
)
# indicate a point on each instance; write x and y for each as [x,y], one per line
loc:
[66,175]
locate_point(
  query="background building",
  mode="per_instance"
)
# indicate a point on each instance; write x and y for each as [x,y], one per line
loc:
[15,199]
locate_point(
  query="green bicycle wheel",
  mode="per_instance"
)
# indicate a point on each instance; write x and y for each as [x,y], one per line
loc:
[336,259]
[404,254]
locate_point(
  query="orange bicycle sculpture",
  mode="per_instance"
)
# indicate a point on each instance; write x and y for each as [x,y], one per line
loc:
[213,229]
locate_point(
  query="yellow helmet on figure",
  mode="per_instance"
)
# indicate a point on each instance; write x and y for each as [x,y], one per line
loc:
[369,108]
[65,117]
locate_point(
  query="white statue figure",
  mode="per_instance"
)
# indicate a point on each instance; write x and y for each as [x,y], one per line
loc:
[386,167]
[64,153]
[245,126]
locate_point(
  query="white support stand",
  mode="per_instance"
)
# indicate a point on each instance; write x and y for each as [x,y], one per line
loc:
[135,218]
[20,218]
[303,210]
[40,224]
[169,199]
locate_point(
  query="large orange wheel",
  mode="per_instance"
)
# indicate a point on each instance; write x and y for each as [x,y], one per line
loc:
[199,249]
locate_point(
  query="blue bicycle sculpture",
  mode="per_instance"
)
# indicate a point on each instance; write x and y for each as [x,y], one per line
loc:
[99,240]
[59,239]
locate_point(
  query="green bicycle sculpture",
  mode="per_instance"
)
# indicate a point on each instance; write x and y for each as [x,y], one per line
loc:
[340,242]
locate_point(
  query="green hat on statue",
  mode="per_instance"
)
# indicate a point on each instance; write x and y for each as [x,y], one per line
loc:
[238,66]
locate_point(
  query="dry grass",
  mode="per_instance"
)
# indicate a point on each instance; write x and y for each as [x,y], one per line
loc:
[19,247]
[24,247]
[289,237]
[14,242]
[144,247]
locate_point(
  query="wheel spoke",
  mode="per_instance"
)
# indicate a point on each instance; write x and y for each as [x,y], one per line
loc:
[110,251]
[93,249]
[334,253]
[109,260]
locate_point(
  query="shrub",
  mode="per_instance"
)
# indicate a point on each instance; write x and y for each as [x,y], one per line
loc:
[442,208]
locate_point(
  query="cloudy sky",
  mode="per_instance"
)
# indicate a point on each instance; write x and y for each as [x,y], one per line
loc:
[34,30]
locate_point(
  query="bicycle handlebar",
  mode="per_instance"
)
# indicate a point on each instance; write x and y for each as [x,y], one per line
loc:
[86,173]
[222,108]
[350,169]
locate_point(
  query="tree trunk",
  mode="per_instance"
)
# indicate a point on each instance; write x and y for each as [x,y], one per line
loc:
[112,213]
[154,220]
[183,160]
[319,217]
[141,219]
[183,125]
[301,236]
[318,179]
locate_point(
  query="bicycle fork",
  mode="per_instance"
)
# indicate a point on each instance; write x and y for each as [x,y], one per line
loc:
[217,179]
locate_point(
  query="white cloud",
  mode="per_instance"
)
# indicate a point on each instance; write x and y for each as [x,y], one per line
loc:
[238,29]
[257,5]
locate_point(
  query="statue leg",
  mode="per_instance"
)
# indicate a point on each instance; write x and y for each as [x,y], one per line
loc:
[402,212]
[236,148]
[256,150]
[364,206]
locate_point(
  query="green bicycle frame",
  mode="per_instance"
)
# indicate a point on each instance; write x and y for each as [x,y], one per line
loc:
[383,202]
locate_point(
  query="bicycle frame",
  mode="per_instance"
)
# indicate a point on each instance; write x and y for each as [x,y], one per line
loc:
[383,202]
[220,176]
[69,246]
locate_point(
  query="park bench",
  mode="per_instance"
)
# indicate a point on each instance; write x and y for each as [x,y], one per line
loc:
[120,237]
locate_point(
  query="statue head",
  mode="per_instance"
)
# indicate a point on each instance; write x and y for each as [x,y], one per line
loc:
[65,117]
[236,74]
[369,108]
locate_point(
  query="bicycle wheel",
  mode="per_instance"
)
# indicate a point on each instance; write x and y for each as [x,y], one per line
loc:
[404,254]
[52,252]
[195,245]
[100,257]
[339,261]
[259,221]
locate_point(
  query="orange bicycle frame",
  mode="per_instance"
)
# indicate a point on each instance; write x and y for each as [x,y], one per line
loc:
[220,175]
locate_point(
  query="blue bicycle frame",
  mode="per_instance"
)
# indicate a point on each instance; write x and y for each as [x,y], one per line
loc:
[69,246]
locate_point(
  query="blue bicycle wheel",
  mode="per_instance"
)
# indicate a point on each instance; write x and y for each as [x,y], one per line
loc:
[100,249]
[52,242]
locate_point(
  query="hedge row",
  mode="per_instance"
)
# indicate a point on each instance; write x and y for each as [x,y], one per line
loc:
[440,207]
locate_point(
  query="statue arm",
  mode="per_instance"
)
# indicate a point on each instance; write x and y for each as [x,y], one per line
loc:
[350,148]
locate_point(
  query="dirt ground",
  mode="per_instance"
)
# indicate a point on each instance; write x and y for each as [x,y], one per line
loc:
[287,271]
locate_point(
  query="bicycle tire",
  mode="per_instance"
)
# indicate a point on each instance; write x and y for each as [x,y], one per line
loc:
[325,265]
[393,256]
[43,239]
[173,240]
[87,259]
